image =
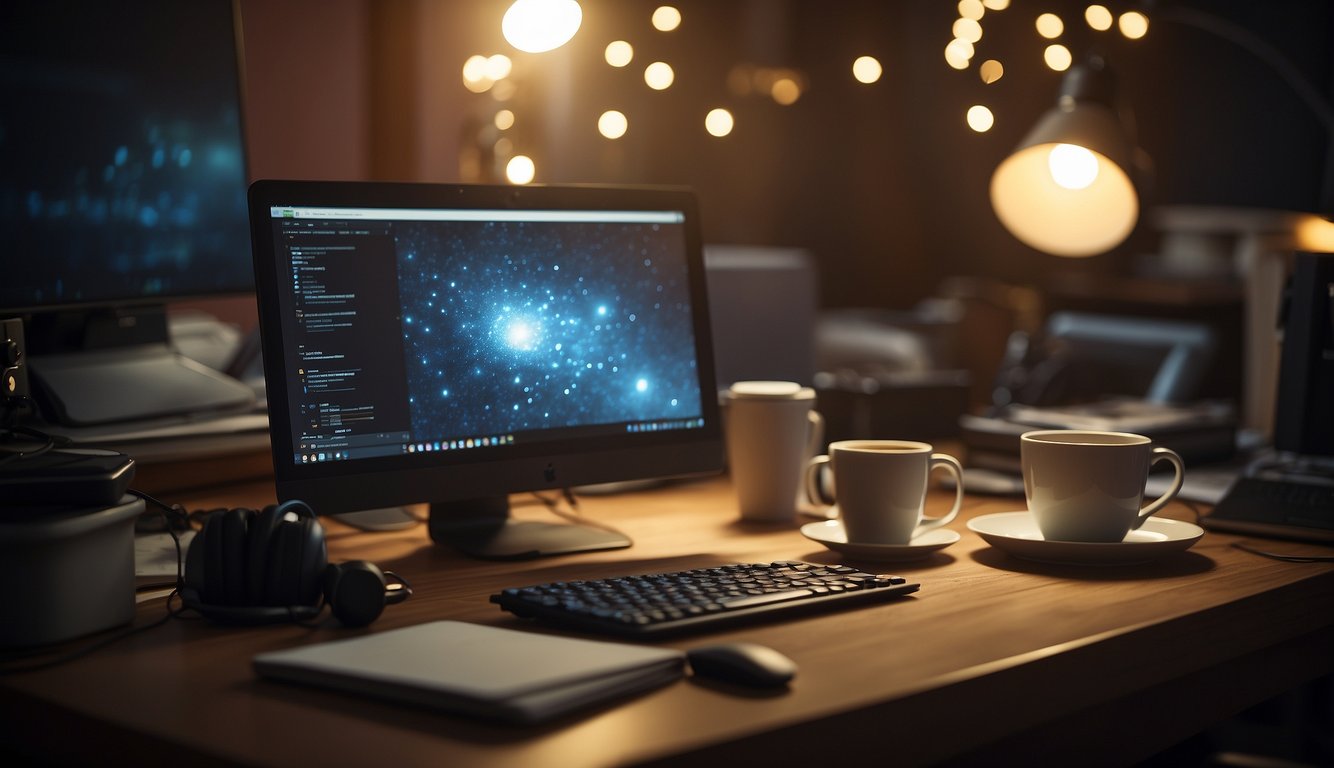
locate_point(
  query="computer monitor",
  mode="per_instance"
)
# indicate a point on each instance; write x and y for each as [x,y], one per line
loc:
[123,188]
[1304,414]
[457,344]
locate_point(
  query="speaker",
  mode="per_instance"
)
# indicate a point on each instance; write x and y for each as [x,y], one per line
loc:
[13,367]
[249,567]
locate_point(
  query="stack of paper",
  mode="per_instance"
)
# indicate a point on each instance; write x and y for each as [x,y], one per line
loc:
[478,670]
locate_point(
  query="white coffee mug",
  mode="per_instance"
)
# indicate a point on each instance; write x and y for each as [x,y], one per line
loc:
[1089,485]
[771,430]
[879,488]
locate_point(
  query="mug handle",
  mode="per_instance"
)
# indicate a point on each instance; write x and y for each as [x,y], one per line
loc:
[812,484]
[816,436]
[952,466]
[1163,454]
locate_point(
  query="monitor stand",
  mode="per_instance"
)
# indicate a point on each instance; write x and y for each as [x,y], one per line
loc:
[482,528]
[378,520]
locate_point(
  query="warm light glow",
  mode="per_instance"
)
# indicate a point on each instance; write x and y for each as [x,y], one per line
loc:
[613,124]
[520,169]
[980,118]
[718,122]
[1098,17]
[535,26]
[1315,234]
[666,18]
[1059,220]
[996,5]
[958,53]
[504,119]
[1133,24]
[619,53]
[1057,57]
[972,9]
[1050,26]
[503,147]
[659,75]
[866,69]
[785,91]
[503,90]
[499,66]
[475,77]
[967,29]
[1072,166]
[991,71]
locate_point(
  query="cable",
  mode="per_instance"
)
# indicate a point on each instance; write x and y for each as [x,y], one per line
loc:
[1245,547]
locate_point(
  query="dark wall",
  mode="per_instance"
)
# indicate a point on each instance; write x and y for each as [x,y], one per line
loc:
[884,183]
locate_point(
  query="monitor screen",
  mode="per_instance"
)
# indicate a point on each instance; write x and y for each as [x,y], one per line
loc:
[124,176]
[429,343]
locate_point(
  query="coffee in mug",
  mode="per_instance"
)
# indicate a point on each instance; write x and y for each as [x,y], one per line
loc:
[1088,485]
[879,488]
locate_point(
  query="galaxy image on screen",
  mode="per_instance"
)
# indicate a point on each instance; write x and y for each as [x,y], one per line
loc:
[516,326]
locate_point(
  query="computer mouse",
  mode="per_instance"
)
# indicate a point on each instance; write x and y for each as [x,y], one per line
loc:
[746,664]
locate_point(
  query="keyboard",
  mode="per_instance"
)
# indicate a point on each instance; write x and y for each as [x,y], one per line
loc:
[1279,508]
[658,604]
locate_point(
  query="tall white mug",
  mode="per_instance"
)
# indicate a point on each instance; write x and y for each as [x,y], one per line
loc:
[1087,485]
[880,488]
[772,429]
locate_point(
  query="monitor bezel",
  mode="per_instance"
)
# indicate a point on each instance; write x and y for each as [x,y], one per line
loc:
[335,487]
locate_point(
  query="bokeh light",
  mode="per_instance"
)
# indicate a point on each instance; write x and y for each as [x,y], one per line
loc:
[1058,57]
[520,169]
[613,124]
[1133,24]
[1098,17]
[475,78]
[785,91]
[958,53]
[499,66]
[659,75]
[1050,26]
[996,5]
[866,69]
[666,18]
[967,29]
[991,71]
[718,122]
[619,53]
[980,118]
[504,120]
[972,9]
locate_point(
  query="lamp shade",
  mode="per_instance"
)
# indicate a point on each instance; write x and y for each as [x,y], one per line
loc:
[1066,190]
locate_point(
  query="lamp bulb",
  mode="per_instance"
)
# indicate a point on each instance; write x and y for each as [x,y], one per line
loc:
[1072,166]
[537,26]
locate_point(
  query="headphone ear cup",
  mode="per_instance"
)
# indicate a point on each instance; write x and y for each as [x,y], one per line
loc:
[263,530]
[297,557]
[222,542]
[355,592]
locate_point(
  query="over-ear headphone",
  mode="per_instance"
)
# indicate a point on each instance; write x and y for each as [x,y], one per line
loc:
[248,567]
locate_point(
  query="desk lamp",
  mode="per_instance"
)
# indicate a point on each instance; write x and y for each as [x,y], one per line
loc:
[1067,189]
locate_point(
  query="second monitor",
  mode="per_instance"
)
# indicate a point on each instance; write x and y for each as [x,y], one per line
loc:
[456,344]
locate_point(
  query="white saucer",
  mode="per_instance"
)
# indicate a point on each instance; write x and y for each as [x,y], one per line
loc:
[1018,534]
[831,534]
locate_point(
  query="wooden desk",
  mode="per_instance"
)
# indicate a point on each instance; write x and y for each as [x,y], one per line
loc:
[994,660]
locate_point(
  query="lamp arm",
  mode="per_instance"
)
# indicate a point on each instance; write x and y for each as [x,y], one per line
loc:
[1261,49]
